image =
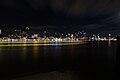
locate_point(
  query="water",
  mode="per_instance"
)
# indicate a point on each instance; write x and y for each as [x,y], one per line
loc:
[92,61]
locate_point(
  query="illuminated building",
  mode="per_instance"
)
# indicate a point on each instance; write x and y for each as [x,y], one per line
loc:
[35,36]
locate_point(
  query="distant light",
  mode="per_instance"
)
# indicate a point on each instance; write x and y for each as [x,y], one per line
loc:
[27,28]
[57,39]
[0,31]
[109,34]
[92,38]
[13,40]
[72,35]
[68,34]
[44,31]
[115,39]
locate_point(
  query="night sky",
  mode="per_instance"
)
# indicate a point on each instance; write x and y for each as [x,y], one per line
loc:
[94,16]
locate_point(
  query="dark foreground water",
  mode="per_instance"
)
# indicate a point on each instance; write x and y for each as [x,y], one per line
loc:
[92,61]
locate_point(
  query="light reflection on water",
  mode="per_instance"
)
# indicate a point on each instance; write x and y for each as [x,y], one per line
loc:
[109,43]
[93,57]
[42,44]
[35,53]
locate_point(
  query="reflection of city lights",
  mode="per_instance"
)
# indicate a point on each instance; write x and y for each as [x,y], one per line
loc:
[0,31]
[109,43]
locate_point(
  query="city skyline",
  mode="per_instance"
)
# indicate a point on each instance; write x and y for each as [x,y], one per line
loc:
[59,39]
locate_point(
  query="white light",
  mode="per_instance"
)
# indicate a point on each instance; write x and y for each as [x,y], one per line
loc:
[115,39]
[109,34]
[0,31]
[72,35]
[13,40]
[57,39]
[92,38]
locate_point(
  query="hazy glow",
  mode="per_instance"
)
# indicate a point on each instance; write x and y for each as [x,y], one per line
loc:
[43,44]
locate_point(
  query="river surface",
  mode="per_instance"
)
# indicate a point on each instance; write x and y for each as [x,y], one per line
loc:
[91,61]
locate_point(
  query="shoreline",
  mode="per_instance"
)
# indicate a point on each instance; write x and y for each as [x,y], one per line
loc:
[46,43]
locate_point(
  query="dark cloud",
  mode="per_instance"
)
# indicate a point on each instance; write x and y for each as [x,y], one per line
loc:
[96,14]
[71,7]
